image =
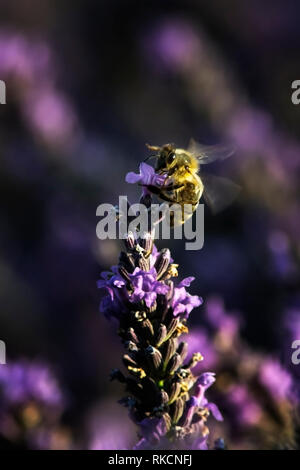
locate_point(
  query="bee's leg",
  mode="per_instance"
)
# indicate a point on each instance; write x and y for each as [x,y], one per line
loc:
[168,198]
[157,190]
[162,195]
[153,189]
[172,187]
[159,193]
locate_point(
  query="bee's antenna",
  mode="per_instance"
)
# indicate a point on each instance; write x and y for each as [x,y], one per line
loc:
[153,148]
[150,156]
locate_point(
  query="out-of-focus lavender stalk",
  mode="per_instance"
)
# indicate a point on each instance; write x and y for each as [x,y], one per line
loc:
[31,405]
[165,399]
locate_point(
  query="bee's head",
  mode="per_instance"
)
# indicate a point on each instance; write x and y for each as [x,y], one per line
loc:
[165,156]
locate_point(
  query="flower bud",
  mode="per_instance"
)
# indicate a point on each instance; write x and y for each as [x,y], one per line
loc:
[154,357]
[148,328]
[190,408]
[162,262]
[183,350]
[197,357]
[169,349]
[177,407]
[146,243]
[174,363]
[128,361]
[161,334]
[143,264]
[129,241]
[175,390]
[131,346]
[124,273]
[164,397]
[171,328]
[168,421]
[132,336]
[170,294]
[127,260]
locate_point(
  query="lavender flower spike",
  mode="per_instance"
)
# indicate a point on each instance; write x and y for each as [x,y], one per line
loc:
[164,398]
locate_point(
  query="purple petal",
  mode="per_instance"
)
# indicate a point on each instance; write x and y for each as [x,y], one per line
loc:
[215,411]
[206,379]
[119,282]
[159,180]
[101,283]
[178,309]
[186,282]
[146,171]
[193,401]
[143,444]
[150,298]
[132,177]
[106,274]
[200,444]
[162,289]
[195,301]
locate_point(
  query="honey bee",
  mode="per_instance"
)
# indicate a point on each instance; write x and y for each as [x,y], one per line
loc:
[185,183]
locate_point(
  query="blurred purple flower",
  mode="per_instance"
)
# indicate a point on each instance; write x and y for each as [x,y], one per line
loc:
[50,114]
[276,379]
[198,340]
[105,432]
[292,323]
[22,58]
[30,67]
[282,262]
[23,381]
[246,409]
[171,44]
[31,405]
[251,129]
[152,429]
[219,319]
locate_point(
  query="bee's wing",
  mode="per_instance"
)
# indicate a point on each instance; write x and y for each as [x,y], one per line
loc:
[218,192]
[209,153]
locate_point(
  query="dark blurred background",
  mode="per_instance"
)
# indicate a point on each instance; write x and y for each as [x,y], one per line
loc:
[88,84]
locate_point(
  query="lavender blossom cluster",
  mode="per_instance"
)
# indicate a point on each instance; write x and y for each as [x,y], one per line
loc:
[31,406]
[256,391]
[23,381]
[165,399]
